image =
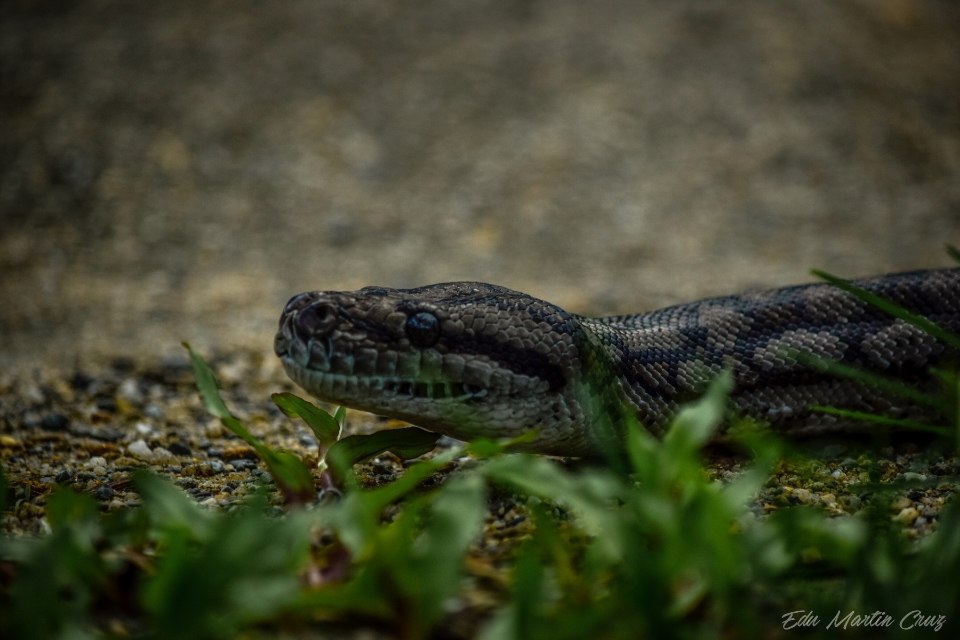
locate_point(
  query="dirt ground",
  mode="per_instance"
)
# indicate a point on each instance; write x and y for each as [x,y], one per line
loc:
[175,171]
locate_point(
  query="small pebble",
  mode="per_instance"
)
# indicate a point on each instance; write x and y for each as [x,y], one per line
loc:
[103,494]
[214,429]
[139,449]
[945,468]
[129,390]
[107,435]
[179,449]
[901,503]
[97,463]
[243,464]
[144,428]
[850,503]
[906,516]
[55,422]
[163,455]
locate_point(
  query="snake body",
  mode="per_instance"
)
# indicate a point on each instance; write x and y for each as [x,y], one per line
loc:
[470,360]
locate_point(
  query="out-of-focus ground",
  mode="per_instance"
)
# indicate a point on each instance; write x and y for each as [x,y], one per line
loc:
[176,170]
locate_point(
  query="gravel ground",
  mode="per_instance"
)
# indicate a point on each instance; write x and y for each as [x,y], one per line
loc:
[90,429]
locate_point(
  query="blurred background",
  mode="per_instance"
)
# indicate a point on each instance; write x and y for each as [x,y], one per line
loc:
[176,170]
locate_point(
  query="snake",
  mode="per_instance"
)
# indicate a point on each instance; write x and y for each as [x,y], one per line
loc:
[474,360]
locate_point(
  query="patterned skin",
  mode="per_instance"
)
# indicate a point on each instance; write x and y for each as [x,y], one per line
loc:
[470,359]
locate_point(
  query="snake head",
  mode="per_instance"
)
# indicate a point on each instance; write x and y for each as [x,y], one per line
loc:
[464,359]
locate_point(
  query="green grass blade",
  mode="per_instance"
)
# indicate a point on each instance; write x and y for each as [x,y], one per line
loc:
[326,428]
[862,416]
[891,308]
[207,384]
[696,422]
[869,378]
[953,252]
[288,471]
[169,508]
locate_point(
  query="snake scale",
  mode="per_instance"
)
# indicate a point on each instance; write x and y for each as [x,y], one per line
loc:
[469,359]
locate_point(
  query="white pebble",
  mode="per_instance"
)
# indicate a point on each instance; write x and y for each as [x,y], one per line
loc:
[162,455]
[139,449]
[907,515]
[129,390]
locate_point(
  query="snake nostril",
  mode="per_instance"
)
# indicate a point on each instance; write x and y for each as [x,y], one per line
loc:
[318,319]
[298,302]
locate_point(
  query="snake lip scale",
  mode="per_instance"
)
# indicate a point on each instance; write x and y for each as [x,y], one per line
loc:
[470,359]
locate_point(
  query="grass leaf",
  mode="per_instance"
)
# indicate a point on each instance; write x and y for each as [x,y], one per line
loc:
[288,471]
[406,443]
[902,423]
[326,428]
[892,308]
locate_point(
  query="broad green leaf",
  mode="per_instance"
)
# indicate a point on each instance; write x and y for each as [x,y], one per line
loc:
[326,428]
[406,443]
[290,474]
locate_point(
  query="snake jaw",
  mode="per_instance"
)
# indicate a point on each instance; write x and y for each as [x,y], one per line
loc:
[455,372]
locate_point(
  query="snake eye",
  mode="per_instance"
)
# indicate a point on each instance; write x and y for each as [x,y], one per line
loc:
[423,329]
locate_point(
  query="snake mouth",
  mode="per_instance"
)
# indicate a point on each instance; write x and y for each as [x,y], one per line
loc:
[351,388]
[367,380]
[333,369]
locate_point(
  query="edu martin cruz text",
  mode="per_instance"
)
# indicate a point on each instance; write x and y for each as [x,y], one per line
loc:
[914,619]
